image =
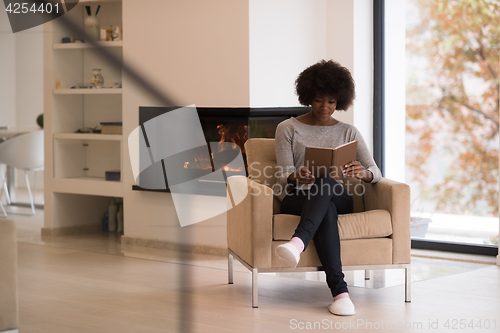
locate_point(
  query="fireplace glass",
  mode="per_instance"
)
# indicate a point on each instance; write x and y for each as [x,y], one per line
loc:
[225,130]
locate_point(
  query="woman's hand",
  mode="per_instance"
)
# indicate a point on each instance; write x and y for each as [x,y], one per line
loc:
[301,176]
[356,170]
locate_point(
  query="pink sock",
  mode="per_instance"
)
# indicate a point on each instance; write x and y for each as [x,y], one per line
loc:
[339,296]
[298,243]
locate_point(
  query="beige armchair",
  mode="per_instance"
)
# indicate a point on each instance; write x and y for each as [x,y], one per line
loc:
[375,236]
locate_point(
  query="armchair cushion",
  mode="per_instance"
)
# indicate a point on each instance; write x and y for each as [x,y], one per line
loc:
[370,224]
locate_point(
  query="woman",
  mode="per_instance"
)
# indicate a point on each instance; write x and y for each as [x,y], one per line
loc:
[326,87]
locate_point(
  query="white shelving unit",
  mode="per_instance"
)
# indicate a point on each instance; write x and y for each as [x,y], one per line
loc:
[88,186]
[88,136]
[80,46]
[75,163]
[103,91]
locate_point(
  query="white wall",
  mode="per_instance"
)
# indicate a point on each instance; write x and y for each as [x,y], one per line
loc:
[363,68]
[197,51]
[29,88]
[233,53]
[395,99]
[21,87]
[7,72]
[29,76]
[350,42]
[286,36]
[340,33]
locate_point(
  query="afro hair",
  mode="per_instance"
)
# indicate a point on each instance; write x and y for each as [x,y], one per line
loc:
[326,78]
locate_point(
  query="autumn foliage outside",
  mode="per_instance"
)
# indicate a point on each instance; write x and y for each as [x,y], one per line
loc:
[453,105]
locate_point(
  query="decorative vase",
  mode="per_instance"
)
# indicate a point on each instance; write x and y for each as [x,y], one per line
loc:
[117,35]
[97,80]
[92,28]
[119,220]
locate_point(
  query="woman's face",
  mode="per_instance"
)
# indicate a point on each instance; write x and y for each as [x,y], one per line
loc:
[323,107]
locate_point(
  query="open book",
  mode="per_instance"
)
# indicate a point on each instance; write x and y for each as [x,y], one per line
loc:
[330,161]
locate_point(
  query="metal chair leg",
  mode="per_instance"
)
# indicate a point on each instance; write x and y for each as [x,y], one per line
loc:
[408,283]
[29,192]
[255,288]
[3,210]
[230,269]
[368,278]
[5,188]
[34,190]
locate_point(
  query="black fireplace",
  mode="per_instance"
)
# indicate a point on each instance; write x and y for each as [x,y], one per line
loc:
[223,127]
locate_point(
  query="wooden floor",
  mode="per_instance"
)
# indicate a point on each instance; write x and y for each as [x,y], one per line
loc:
[90,284]
[65,290]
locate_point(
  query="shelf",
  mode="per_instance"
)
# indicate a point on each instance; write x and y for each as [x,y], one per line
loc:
[102,91]
[80,46]
[88,136]
[88,186]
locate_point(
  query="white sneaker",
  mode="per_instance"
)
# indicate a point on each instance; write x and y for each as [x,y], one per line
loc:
[289,254]
[342,307]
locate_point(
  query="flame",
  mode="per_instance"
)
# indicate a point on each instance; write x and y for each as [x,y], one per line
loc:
[237,134]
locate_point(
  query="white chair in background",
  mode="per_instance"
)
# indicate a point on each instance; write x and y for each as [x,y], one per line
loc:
[1,206]
[24,152]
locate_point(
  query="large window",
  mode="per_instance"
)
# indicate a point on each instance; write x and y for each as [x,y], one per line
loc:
[452,119]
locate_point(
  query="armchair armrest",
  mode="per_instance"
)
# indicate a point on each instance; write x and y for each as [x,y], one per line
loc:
[395,197]
[250,222]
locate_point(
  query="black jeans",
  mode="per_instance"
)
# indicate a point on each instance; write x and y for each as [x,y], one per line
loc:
[319,208]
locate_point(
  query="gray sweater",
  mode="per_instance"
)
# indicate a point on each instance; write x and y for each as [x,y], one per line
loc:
[292,138]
